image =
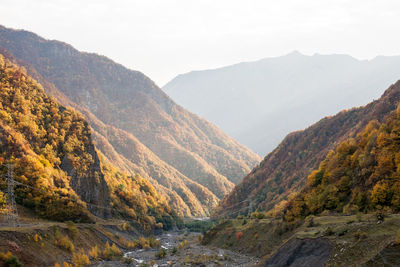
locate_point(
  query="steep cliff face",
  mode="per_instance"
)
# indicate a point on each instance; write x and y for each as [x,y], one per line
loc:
[60,174]
[90,185]
[285,170]
[179,150]
[301,252]
[51,148]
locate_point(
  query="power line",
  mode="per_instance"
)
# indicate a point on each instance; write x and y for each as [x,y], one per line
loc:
[227,211]
[11,205]
[249,207]
[236,204]
[11,218]
[12,212]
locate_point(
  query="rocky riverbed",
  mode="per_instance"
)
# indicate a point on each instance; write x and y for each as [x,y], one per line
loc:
[182,249]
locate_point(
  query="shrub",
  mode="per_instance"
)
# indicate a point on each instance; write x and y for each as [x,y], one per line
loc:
[125,226]
[255,236]
[161,253]
[72,229]
[174,250]
[111,252]
[329,231]
[326,213]
[380,216]
[95,252]
[350,209]
[310,221]
[143,243]
[127,243]
[238,235]
[56,232]
[199,226]
[342,232]
[127,260]
[36,238]
[153,242]
[254,215]
[65,243]
[281,228]
[80,259]
[10,260]
[261,215]
[358,235]
[182,244]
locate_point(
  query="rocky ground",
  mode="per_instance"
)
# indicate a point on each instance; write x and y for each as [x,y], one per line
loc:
[189,253]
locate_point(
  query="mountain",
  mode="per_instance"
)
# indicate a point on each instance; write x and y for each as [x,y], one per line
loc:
[362,174]
[136,126]
[259,103]
[60,174]
[284,171]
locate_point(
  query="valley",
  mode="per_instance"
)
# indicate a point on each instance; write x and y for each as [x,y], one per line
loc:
[190,252]
[256,240]
[135,125]
[101,167]
[34,243]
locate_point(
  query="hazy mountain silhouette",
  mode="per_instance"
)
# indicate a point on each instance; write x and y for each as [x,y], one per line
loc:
[260,102]
[285,170]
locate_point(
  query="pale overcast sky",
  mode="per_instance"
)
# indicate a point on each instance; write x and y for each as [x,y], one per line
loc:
[164,38]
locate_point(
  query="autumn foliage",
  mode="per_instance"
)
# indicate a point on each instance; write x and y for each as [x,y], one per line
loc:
[363,174]
[284,171]
[43,140]
[238,235]
[35,135]
[134,198]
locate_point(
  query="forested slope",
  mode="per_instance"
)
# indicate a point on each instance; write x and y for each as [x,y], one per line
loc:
[193,162]
[60,173]
[362,174]
[285,170]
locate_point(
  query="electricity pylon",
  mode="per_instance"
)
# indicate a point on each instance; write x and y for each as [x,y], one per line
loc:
[11,205]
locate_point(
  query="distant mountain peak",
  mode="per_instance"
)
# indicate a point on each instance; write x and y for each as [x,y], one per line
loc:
[295,53]
[274,96]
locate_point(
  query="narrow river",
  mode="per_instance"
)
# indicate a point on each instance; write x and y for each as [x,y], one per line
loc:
[189,253]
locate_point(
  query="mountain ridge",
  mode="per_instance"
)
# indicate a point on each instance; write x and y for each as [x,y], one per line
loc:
[284,171]
[130,102]
[59,173]
[281,94]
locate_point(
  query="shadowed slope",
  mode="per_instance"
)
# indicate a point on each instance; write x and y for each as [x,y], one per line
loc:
[285,170]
